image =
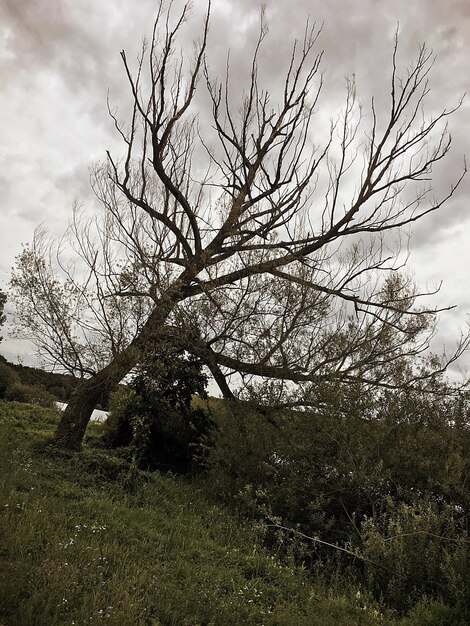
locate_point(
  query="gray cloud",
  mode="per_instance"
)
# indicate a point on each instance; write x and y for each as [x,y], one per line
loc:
[58,60]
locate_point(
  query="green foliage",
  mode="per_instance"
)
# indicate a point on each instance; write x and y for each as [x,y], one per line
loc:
[8,379]
[117,429]
[368,493]
[157,417]
[434,613]
[418,550]
[77,545]
[354,472]
[60,386]
[31,394]
[3,299]
[11,388]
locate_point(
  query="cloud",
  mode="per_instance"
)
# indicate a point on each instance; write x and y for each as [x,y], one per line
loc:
[58,61]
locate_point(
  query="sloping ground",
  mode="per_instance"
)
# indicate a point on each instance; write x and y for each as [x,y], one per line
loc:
[86,538]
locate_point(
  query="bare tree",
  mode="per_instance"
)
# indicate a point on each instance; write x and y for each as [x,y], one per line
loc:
[245,242]
[78,323]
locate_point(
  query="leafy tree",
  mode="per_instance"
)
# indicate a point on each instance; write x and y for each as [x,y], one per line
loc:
[242,241]
[158,417]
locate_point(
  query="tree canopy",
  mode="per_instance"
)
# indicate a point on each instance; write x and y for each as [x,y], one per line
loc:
[253,239]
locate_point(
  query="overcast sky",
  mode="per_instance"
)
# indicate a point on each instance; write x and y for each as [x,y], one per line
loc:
[58,60]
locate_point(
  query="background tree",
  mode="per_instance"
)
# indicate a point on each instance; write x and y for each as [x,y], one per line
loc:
[255,242]
[3,299]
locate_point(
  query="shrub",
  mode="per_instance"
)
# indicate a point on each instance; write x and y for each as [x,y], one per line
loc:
[157,418]
[434,613]
[8,379]
[31,394]
[418,550]
[117,429]
[384,476]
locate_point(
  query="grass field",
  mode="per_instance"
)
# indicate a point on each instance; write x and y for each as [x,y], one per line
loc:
[85,538]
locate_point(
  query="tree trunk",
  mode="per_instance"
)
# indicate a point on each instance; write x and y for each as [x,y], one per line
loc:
[72,426]
[74,421]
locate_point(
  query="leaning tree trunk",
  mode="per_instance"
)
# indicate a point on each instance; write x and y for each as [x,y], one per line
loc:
[75,419]
[72,426]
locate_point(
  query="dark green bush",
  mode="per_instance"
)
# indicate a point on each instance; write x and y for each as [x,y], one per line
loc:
[30,394]
[156,416]
[418,550]
[434,613]
[384,476]
[8,379]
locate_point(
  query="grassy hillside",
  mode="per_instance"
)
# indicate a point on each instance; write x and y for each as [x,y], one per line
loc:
[84,538]
[59,385]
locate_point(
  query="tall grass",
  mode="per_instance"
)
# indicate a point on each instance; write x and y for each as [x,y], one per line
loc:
[86,538]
